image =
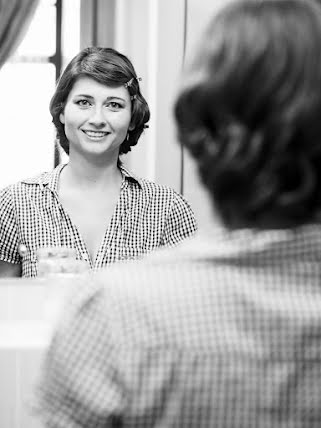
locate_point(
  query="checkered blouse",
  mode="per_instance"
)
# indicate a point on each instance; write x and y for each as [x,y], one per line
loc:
[224,333]
[146,216]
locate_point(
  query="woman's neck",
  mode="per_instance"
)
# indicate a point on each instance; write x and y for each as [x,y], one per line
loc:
[89,176]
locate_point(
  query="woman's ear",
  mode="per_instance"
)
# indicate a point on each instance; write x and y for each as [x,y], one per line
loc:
[62,118]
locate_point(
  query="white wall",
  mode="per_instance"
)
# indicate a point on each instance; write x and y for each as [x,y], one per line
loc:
[151,33]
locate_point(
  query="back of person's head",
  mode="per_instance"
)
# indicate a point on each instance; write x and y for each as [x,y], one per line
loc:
[108,67]
[249,111]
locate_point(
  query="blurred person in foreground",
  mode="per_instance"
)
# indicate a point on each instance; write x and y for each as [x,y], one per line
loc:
[225,331]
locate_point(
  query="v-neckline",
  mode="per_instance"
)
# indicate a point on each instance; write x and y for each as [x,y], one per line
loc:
[108,231]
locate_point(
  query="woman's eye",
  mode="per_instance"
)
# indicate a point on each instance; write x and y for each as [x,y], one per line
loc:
[83,103]
[114,105]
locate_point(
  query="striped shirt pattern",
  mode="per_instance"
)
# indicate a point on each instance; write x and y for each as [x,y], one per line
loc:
[222,333]
[147,216]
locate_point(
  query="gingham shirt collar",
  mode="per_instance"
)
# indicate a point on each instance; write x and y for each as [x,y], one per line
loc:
[51,179]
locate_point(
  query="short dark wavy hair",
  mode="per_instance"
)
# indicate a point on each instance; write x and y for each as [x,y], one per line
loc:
[249,111]
[109,67]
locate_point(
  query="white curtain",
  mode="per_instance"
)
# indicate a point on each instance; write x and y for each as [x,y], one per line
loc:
[15,17]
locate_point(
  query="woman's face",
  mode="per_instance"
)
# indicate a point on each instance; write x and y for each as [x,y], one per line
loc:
[96,118]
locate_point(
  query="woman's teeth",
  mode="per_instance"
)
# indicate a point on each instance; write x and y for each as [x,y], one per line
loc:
[95,134]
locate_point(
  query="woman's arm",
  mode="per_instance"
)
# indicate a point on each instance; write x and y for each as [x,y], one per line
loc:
[8,270]
[10,261]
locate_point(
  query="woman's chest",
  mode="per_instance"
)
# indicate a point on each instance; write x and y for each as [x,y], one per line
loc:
[91,219]
[103,231]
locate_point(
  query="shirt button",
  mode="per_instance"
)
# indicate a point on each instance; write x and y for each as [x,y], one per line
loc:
[22,249]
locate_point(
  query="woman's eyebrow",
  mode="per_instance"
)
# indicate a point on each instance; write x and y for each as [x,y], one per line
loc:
[83,95]
[115,98]
[111,97]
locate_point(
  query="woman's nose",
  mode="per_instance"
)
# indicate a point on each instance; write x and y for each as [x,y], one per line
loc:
[98,118]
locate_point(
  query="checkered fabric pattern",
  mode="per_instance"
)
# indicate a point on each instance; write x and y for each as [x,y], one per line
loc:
[224,333]
[147,216]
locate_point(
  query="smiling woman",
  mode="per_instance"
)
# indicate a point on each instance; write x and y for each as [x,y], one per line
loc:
[96,113]
[92,204]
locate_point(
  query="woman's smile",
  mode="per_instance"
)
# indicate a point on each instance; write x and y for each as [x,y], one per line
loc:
[95,135]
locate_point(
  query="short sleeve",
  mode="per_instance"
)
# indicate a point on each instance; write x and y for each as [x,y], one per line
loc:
[80,384]
[181,222]
[9,239]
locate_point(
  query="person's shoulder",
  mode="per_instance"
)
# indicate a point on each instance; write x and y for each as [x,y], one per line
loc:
[34,179]
[123,290]
[137,273]
[20,187]
[146,184]
[37,179]
[135,287]
[157,187]
[161,191]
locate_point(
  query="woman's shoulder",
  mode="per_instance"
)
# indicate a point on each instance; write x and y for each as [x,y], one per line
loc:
[145,184]
[158,192]
[22,185]
[165,191]
[157,187]
[162,192]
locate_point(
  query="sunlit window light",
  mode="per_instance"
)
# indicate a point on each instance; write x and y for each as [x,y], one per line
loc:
[27,82]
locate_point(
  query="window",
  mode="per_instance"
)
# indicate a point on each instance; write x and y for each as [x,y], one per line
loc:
[27,82]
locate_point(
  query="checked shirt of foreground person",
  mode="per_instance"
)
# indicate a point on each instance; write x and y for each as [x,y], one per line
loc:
[222,333]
